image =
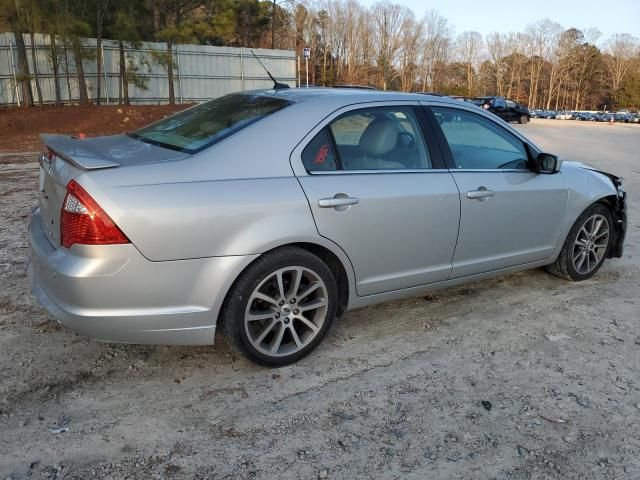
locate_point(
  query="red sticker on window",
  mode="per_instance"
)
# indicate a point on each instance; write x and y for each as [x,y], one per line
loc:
[321,156]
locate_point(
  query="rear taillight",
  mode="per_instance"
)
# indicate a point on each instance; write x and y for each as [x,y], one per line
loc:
[83,221]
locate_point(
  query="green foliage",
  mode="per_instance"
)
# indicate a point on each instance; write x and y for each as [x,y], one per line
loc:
[124,27]
[161,57]
[136,65]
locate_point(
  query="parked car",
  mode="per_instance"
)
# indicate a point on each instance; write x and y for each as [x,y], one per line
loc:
[267,214]
[585,116]
[564,116]
[508,110]
[622,117]
[606,117]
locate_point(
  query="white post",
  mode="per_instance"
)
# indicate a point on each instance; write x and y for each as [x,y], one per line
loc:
[104,72]
[241,69]
[306,62]
[15,78]
[179,76]
[298,69]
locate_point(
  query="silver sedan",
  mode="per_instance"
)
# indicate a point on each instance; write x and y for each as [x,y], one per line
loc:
[270,213]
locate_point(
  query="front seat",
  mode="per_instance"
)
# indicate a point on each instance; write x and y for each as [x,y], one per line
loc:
[378,139]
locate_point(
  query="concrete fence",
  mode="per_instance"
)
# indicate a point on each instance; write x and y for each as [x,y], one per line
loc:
[201,72]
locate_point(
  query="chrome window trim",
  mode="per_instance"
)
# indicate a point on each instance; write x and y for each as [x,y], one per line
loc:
[378,172]
[494,170]
[420,170]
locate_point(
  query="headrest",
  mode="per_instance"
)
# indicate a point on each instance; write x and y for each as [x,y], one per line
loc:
[379,138]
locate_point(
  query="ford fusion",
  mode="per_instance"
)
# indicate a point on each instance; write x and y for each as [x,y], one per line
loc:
[267,214]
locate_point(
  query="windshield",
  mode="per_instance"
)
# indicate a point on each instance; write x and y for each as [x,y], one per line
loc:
[203,125]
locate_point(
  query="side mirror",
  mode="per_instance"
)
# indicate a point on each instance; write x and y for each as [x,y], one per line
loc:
[547,163]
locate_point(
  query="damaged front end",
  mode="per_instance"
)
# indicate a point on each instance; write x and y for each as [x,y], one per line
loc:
[619,213]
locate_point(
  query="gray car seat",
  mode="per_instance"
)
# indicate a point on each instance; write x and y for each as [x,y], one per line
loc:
[378,139]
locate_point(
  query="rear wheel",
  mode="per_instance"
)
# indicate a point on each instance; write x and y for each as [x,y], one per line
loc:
[586,246]
[281,307]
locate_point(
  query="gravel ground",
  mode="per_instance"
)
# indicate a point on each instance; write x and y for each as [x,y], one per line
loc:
[525,376]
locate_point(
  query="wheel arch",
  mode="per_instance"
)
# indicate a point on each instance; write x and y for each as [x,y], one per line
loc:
[609,201]
[332,256]
[586,187]
[613,203]
[337,268]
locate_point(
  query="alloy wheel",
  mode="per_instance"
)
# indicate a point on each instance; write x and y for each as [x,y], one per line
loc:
[286,311]
[591,244]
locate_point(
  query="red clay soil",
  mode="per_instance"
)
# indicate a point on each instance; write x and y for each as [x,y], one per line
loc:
[20,127]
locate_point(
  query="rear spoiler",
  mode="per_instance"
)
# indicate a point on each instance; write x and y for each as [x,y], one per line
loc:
[76,152]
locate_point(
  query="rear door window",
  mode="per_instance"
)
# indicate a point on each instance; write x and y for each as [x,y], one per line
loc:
[381,138]
[201,126]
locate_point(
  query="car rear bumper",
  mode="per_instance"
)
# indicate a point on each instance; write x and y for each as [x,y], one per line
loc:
[112,293]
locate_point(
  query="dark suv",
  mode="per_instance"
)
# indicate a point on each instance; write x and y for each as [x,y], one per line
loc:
[508,110]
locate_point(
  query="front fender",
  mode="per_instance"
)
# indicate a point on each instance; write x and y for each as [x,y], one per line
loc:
[586,187]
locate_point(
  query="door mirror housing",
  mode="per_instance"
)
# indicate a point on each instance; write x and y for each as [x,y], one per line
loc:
[547,163]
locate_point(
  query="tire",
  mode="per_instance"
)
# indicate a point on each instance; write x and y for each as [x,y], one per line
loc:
[523,119]
[572,263]
[286,327]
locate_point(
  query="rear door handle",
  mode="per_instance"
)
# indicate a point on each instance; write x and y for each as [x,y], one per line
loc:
[482,192]
[337,201]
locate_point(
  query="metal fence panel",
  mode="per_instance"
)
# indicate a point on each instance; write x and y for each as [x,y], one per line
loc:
[201,72]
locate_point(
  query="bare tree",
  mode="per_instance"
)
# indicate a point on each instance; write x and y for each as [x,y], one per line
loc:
[621,49]
[412,42]
[469,47]
[102,7]
[387,20]
[437,39]
[588,65]
[497,45]
[515,50]
[562,61]
[541,37]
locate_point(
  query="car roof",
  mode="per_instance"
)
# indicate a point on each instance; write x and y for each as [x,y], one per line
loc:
[348,95]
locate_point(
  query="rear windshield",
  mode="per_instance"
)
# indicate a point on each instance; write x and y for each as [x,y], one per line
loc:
[203,125]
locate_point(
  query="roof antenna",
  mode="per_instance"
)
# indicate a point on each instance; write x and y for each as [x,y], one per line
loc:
[276,85]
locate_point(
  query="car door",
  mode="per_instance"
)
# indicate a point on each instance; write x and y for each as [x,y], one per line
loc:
[509,214]
[513,112]
[499,107]
[381,191]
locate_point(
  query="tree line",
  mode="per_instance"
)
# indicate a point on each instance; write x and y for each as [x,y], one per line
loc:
[385,46]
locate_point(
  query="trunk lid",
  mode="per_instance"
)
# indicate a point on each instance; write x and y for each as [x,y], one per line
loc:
[70,156]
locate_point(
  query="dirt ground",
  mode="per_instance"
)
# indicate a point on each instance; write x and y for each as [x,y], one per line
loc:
[20,127]
[525,376]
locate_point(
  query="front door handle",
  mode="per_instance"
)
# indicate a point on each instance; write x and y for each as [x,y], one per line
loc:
[480,193]
[339,200]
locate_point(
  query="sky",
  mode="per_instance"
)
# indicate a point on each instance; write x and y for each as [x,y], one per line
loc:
[487,16]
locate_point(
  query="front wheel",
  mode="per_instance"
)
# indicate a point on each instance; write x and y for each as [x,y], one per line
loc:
[281,307]
[523,119]
[586,246]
